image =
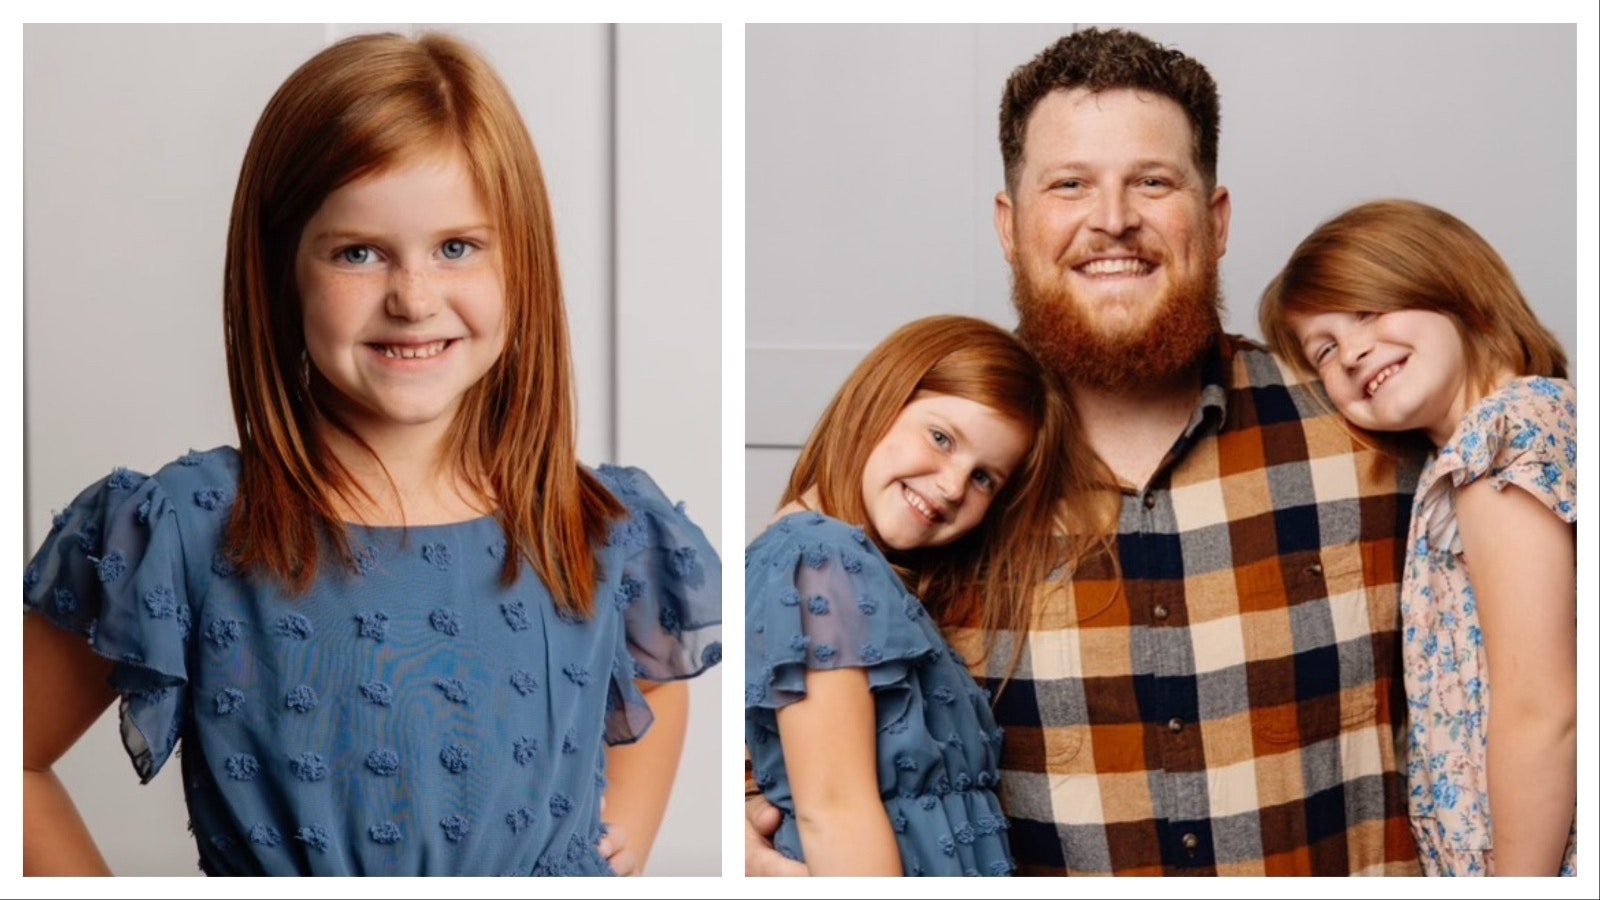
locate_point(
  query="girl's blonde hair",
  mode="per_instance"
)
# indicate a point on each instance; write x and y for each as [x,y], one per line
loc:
[1391,255]
[358,108]
[987,578]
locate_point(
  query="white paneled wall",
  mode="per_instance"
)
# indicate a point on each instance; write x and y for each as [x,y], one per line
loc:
[133,140]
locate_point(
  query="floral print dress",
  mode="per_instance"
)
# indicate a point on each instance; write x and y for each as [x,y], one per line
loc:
[1524,436]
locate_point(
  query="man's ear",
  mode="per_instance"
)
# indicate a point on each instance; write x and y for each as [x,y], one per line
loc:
[1005,219]
[1221,213]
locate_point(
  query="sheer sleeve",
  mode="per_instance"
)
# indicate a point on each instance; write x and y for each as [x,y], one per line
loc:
[819,596]
[112,569]
[670,595]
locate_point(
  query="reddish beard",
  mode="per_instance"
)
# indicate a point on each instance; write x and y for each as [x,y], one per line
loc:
[1172,341]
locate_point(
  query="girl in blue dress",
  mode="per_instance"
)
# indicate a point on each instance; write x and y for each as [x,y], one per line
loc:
[923,498]
[1415,325]
[400,629]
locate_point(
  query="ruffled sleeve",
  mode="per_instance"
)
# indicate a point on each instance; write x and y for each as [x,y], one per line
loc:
[1523,435]
[112,570]
[670,595]
[819,596]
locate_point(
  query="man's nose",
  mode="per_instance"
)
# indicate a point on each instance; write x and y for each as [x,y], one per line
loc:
[1113,213]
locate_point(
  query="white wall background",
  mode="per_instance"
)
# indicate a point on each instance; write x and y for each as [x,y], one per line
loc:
[872,160]
[133,137]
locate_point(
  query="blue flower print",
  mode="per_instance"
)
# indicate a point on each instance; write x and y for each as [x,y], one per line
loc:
[308,766]
[377,693]
[711,655]
[454,689]
[524,750]
[111,567]
[818,605]
[455,828]
[560,805]
[314,836]
[524,682]
[265,835]
[445,621]
[383,761]
[519,819]
[385,833]
[516,615]
[242,767]
[229,700]
[160,602]
[437,554]
[372,625]
[301,698]
[294,626]
[224,632]
[455,758]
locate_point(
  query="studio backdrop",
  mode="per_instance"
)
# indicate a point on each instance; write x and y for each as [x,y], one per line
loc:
[872,159]
[134,137]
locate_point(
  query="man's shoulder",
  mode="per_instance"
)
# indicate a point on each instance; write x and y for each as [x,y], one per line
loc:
[1252,365]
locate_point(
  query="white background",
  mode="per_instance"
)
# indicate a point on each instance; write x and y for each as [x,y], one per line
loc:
[133,140]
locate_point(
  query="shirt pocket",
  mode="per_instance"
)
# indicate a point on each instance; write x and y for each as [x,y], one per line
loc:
[1308,628]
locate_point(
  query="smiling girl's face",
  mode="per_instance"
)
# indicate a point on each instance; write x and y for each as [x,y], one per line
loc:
[401,290]
[931,478]
[1391,371]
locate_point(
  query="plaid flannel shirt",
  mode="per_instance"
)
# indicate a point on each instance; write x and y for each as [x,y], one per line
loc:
[1236,708]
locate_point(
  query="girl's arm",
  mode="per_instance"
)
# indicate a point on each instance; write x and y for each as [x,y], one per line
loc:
[1523,563]
[830,747]
[64,691]
[640,777]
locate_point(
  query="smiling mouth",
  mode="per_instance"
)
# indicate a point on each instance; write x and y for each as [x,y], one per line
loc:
[920,506]
[412,351]
[1383,376]
[1115,268]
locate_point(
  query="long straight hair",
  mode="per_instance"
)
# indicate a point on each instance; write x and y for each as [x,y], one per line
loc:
[358,108]
[1058,506]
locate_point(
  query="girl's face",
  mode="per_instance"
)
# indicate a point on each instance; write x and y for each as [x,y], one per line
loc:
[932,477]
[400,285]
[1393,371]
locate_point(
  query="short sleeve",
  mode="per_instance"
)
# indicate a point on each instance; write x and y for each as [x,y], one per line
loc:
[820,597]
[112,570]
[1531,442]
[670,595]
[1524,435]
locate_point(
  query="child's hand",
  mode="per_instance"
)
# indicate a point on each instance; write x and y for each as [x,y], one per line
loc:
[761,821]
[614,847]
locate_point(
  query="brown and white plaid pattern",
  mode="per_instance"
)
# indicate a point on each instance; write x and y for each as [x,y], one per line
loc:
[1235,708]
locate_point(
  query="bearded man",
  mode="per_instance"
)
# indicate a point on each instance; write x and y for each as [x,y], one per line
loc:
[1223,697]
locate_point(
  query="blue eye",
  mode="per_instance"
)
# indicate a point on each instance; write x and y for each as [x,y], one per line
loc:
[358,255]
[940,438]
[983,479]
[455,248]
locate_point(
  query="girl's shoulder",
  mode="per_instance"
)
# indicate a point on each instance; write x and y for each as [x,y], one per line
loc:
[1524,434]
[811,527]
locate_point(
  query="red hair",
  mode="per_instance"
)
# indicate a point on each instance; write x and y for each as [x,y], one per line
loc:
[1055,509]
[358,108]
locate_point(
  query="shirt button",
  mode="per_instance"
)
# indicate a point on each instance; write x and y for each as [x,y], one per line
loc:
[1190,842]
[1175,725]
[1160,611]
[1149,501]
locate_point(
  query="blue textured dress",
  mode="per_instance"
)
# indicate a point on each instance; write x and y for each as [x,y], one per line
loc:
[409,717]
[819,595]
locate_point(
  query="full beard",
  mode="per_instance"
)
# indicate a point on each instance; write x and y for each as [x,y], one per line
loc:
[1171,342]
